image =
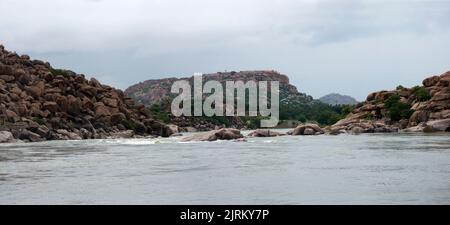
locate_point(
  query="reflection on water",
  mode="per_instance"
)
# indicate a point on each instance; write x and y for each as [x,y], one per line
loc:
[345,169]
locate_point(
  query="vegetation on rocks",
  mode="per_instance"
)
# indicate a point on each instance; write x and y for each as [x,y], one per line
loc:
[420,93]
[294,105]
[420,108]
[397,110]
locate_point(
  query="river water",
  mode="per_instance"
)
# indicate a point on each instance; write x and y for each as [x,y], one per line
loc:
[345,169]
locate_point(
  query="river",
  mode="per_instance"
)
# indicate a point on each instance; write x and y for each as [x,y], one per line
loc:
[344,169]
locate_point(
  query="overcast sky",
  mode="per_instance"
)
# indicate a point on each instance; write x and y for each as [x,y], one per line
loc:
[349,47]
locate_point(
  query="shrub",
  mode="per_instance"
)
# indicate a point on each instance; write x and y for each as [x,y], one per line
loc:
[128,124]
[400,87]
[346,109]
[38,120]
[421,94]
[368,116]
[65,73]
[158,112]
[396,109]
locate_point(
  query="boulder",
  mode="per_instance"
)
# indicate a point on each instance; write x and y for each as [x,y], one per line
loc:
[117,118]
[85,134]
[123,134]
[28,135]
[101,111]
[50,106]
[264,133]
[437,126]
[431,81]
[7,78]
[221,134]
[111,102]
[37,90]
[6,136]
[309,131]
[357,130]
[73,105]
[419,116]
[11,115]
[69,135]
[89,90]
[173,128]
[35,109]
[444,114]
[418,128]
[140,128]
[4,69]
[42,131]
[313,129]
[371,97]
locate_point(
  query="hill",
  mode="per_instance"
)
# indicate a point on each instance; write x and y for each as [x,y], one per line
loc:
[338,99]
[39,102]
[420,108]
[294,105]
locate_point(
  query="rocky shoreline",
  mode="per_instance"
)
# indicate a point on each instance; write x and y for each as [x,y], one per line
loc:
[419,109]
[39,102]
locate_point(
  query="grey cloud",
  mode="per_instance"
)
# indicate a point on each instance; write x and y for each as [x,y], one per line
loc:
[324,46]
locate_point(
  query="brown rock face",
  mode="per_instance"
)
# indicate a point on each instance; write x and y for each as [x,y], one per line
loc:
[307,129]
[51,106]
[428,113]
[7,78]
[221,134]
[152,91]
[264,133]
[431,81]
[39,102]
[101,111]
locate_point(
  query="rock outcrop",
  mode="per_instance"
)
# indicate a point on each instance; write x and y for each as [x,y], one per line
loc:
[264,133]
[221,134]
[6,136]
[421,108]
[38,102]
[307,129]
[157,92]
[153,91]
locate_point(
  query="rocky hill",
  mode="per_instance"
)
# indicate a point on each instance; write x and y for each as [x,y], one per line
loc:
[293,104]
[153,91]
[421,108]
[39,103]
[338,99]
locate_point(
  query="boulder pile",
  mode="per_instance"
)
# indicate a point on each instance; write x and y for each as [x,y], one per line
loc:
[419,109]
[38,102]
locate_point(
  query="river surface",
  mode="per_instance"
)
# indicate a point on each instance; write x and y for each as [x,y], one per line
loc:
[345,169]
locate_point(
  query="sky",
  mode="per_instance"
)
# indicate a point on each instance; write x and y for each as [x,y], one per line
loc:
[349,47]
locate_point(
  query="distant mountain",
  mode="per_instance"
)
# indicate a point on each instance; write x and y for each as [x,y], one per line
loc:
[338,99]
